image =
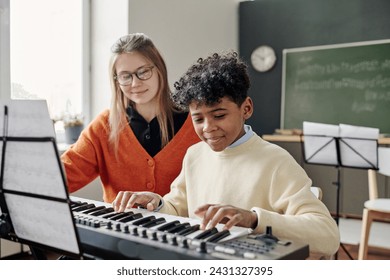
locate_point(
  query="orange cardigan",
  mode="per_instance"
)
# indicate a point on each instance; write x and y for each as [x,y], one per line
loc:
[134,169]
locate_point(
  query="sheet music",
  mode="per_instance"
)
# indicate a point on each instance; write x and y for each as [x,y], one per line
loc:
[32,167]
[43,221]
[384,160]
[321,129]
[27,118]
[320,143]
[353,131]
[358,146]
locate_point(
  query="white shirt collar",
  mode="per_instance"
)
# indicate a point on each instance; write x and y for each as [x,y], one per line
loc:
[248,134]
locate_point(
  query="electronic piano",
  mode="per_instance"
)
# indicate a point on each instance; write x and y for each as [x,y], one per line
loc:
[141,234]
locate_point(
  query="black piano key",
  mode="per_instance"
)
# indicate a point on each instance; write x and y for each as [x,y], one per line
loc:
[218,236]
[111,214]
[154,222]
[102,211]
[83,207]
[130,218]
[77,204]
[167,226]
[93,209]
[73,203]
[144,220]
[207,233]
[178,228]
[116,216]
[189,230]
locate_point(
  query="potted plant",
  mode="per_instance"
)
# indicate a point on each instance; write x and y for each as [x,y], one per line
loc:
[73,125]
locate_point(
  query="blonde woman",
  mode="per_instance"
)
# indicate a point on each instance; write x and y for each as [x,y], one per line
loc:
[139,144]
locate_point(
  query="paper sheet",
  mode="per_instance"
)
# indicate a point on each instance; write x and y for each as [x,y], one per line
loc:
[384,160]
[27,118]
[320,143]
[33,167]
[43,221]
[33,180]
[358,146]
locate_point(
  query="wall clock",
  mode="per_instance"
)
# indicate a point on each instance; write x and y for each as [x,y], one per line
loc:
[263,58]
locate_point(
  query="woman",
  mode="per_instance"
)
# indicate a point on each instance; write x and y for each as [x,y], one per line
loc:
[139,144]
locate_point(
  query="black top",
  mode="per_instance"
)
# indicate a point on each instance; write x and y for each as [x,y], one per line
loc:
[149,134]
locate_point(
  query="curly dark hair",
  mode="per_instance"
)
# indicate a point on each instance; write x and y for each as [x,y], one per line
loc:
[212,78]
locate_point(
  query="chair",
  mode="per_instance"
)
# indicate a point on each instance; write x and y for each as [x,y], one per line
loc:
[375,208]
[317,192]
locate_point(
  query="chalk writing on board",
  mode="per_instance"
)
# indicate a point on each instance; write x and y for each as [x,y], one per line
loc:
[346,83]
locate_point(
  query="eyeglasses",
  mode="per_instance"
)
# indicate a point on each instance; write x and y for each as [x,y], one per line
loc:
[126,78]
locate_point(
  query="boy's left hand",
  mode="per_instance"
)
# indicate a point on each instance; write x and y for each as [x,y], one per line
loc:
[213,214]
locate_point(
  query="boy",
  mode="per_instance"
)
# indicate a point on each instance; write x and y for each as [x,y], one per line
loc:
[233,176]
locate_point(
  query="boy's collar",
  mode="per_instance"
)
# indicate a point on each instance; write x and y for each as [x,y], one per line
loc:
[248,134]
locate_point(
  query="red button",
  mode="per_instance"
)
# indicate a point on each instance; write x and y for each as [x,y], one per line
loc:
[150,162]
[149,186]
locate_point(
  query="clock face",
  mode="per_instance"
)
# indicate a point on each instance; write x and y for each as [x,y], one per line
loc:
[263,58]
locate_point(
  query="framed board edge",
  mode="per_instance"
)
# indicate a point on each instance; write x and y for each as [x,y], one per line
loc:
[311,48]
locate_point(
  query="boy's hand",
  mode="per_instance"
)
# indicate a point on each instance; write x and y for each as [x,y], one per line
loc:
[127,199]
[213,214]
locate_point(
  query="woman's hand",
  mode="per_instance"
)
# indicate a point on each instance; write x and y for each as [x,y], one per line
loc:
[126,199]
[213,214]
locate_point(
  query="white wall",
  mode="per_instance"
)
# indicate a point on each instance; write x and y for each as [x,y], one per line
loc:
[109,21]
[5,84]
[183,31]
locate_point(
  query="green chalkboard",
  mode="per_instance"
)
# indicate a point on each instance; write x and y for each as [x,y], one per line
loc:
[346,83]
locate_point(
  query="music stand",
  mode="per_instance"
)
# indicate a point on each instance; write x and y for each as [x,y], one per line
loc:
[340,146]
[33,196]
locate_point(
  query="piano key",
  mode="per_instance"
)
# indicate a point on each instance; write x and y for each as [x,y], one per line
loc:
[143,220]
[83,207]
[123,233]
[130,218]
[207,233]
[102,211]
[169,225]
[109,215]
[154,222]
[178,228]
[218,236]
[116,216]
[188,230]
[93,209]
[77,204]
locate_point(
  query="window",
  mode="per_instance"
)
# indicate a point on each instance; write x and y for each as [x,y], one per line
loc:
[46,53]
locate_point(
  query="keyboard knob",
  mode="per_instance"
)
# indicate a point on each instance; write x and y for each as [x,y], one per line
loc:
[184,244]
[174,241]
[202,247]
[164,238]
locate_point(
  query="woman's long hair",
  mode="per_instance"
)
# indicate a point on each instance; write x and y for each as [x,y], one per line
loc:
[143,45]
